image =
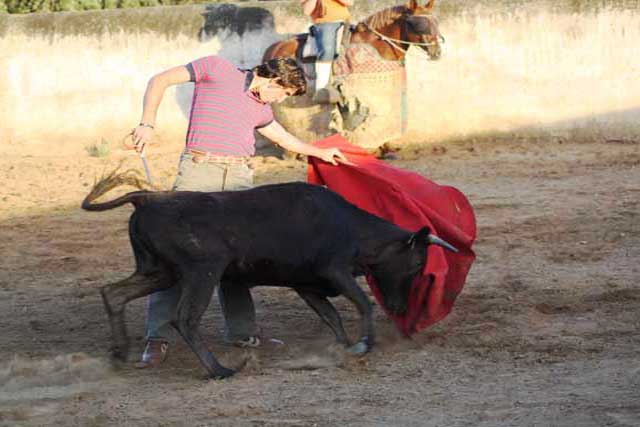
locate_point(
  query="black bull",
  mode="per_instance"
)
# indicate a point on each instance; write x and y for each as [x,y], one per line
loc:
[296,235]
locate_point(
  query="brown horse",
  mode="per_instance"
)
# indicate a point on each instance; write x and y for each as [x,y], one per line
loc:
[390,31]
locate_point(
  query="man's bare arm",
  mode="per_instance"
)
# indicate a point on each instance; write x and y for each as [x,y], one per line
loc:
[156,87]
[308,6]
[275,132]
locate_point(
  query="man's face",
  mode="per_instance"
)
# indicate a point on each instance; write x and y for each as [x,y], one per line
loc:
[273,92]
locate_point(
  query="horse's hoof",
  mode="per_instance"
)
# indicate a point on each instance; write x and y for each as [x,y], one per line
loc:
[222,373]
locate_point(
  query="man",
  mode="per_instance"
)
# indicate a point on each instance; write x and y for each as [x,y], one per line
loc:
[228,105]
[328,17]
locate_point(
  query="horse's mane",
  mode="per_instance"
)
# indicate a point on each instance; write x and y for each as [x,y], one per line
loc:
[385,17]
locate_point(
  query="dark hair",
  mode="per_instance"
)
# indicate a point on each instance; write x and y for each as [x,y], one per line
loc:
[287,71]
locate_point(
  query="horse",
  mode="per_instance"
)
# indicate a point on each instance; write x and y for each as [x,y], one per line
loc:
[390,31]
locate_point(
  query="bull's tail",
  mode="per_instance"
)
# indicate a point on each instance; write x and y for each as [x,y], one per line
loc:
[114,179]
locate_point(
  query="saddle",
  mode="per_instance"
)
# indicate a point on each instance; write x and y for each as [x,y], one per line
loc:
[352,112]
[308,50]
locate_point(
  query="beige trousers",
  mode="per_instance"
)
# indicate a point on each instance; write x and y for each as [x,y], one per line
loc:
[211,176]
[235,299]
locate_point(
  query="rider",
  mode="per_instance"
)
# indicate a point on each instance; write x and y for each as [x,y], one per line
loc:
[328,16]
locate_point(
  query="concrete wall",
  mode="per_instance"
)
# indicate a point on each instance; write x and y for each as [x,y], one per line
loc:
[568,72]
[518,68]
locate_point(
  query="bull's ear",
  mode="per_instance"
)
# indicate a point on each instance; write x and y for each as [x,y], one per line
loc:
[430,4]
[421,236]
[413,5]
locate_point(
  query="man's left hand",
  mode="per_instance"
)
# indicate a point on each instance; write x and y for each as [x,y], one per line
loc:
[334,156]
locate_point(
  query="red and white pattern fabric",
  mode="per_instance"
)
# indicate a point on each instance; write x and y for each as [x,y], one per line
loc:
[224,113]
[363,58]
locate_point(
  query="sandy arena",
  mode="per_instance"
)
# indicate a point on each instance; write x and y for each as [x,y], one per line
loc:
[545,332]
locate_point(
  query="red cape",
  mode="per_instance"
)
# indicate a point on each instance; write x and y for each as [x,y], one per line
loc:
[410,201]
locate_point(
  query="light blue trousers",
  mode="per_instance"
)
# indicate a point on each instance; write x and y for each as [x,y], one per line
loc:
[326,35]
[236,302]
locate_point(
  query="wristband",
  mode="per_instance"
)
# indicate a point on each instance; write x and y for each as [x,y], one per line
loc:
[146,125]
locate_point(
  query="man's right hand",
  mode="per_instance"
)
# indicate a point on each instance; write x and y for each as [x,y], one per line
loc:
[141,136]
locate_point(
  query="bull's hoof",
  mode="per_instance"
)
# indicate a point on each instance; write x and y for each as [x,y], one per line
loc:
[119,353]
[360,348]
[222,373]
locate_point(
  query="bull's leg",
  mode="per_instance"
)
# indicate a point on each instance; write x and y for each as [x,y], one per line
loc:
[196,295]
[327,312]
[116,295]
[345,284]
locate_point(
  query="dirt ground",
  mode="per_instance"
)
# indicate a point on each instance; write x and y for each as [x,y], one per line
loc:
[545,333]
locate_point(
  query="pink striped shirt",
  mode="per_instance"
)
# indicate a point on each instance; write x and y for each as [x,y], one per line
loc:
[224,113]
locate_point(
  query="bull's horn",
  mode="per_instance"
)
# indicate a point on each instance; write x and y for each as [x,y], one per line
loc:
[438,241]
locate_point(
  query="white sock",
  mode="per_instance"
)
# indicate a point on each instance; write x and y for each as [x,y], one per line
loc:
[323,74]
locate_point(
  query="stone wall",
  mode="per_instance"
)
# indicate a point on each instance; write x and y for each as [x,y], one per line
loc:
[512,68]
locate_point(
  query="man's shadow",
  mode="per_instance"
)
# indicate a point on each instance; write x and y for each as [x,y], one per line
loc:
[242,35]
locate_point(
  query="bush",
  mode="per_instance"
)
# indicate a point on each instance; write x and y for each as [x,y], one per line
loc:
[19,6]
[41,5]
[176,2]
[126,4]
[90,4]
[66,5]
[28,6]
[101,149]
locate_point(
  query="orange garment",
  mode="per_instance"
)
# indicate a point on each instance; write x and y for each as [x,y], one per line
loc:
[330,11]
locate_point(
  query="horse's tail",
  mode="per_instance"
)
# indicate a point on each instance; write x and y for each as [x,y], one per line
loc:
[111,181]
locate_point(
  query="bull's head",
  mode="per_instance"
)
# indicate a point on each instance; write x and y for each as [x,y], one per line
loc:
[402,262]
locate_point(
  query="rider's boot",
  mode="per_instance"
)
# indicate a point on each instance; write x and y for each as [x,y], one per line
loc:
[325,93]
